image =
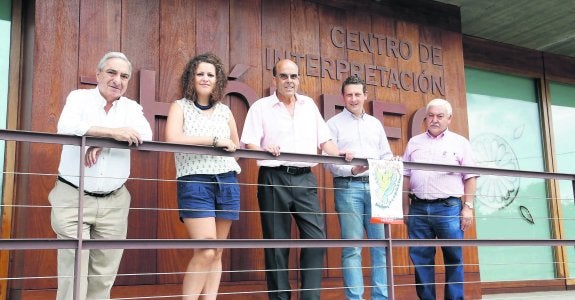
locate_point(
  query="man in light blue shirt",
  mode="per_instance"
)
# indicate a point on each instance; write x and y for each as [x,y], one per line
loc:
[358,133]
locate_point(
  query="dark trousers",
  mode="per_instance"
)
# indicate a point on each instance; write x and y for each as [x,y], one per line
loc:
[281,196]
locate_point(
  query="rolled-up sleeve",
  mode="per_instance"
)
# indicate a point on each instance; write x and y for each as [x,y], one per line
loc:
[253,127]
[407,158]
[467,159]
[335,169]
[140,123]
[323,132]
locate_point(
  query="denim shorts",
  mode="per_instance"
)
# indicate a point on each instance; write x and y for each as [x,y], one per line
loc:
[204,196]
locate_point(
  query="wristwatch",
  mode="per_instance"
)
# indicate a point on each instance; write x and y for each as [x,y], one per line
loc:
[468,204]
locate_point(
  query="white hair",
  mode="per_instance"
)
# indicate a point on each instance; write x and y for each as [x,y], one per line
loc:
[442,103]
[111,55]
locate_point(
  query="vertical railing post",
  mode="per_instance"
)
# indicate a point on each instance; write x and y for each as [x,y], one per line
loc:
[389,263]
[78,256]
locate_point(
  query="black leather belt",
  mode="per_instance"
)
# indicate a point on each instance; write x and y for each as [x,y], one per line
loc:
[97,195]
[292,170]
[364,179]
[417,199]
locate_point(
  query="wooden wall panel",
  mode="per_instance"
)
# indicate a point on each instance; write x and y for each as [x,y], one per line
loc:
[412,101]
[386,27]
[361,22]
[140,36]
[559,68]
[328,18]
[55,58]
[99,23]
[427,13]
[177,47]
[502,57]
[305,40]
[245,44]
[455,87]
[213,28]
[275,32]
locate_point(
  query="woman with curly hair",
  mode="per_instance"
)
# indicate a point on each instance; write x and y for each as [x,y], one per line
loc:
[208,191]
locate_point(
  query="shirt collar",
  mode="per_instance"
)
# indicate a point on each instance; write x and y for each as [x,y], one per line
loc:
[102,100]
[350,115]
[277,101]
[439,136]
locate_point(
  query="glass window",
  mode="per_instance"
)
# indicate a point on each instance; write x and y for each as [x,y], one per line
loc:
[562,112]
[505,132]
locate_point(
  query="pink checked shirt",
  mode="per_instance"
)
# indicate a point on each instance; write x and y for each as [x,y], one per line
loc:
[269,123]
[449,149]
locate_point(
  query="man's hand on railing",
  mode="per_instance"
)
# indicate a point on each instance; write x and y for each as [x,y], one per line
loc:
[127,134]
[91,156]
[273,149]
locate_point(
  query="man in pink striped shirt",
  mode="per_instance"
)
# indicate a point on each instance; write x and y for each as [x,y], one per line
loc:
[289,122]
[440,204]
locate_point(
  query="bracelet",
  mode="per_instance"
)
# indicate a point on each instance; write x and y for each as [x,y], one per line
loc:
[215,142]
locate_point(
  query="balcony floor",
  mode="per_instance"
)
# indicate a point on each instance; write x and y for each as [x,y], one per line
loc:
[555,295]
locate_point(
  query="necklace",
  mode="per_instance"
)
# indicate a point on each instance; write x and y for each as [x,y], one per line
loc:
[203,107]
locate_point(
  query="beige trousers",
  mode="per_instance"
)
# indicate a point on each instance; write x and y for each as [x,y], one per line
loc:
[104,218]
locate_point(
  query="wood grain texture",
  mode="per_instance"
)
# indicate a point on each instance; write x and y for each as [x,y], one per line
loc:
[559,68]
[212,27]
[99,23]
[360,22]
[328,18]
[8,189]
[305,39]
[386,27]
[53,58]
[178,44]
[245,44]
[505,58]
[139,41]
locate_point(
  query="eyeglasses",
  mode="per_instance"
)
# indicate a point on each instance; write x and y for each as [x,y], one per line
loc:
[283,76]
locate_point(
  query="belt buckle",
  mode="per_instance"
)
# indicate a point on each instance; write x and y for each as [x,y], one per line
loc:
[291,170]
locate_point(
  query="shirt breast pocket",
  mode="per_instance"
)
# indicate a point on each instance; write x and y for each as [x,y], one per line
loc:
[447,157]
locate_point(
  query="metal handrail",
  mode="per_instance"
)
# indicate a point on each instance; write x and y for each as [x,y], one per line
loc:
[389,242]
[41,137]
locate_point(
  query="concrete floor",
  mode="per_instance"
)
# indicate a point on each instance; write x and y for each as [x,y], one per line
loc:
[557,295]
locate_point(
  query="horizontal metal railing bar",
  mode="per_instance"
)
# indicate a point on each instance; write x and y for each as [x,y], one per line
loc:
[23,244]
[28,136]
[39,137]
[37,244]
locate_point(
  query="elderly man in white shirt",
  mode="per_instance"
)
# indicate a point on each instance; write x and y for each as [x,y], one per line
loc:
[101,112]
[363,136]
